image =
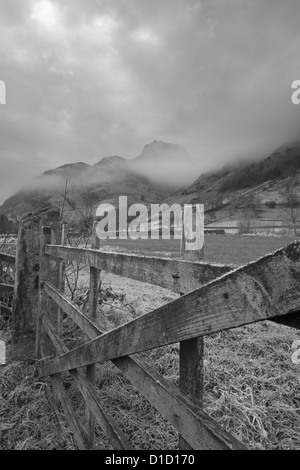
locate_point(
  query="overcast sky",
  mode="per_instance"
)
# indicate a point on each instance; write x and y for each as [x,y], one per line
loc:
[92,78]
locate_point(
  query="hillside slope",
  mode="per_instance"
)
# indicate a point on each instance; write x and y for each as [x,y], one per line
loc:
[146,178]
[234,184]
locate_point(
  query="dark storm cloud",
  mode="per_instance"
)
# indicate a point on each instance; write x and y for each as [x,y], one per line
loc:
[89,79]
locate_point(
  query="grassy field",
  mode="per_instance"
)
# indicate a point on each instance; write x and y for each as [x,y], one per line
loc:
[251,384]
[224,249]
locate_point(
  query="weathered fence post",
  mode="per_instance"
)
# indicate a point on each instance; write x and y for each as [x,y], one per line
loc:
[191,380]
[45,239]
[93,302]
[61,280]
[49,271]
[25,302]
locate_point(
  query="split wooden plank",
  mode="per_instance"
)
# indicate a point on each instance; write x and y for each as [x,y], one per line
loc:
[45,238]
[93,302]
[197,428]
[261,290]
[102,416]
[180,276]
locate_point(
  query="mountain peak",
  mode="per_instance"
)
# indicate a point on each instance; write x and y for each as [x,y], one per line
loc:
[161,143]
[167,163]
[68,168]
[112,160]
[160,150]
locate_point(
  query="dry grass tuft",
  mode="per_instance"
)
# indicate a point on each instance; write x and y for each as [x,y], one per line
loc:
[27,418]
[251,388]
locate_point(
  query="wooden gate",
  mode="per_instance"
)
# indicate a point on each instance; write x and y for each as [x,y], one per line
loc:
[266,289]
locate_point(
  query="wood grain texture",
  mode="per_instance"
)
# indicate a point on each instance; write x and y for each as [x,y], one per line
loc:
[27,276]
[180,276]
[93,303]
[61,280]
[88,391]
[261,290]
[197,428]
[45,238]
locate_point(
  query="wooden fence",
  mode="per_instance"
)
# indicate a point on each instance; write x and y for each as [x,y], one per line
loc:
[252,228]
[214,298]
[6,289]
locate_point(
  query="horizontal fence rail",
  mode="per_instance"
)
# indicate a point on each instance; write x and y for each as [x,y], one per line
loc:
[261,290]
[177,275]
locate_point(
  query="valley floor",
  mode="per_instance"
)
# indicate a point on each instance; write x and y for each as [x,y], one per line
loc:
[221,249]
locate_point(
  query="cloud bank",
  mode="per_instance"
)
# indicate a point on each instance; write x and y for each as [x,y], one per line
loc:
[90,79]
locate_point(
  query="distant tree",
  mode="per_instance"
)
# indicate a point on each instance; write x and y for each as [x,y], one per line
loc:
[250,210]
[291,202]
[232,206]
[86,217]
[62,203]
